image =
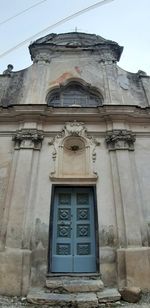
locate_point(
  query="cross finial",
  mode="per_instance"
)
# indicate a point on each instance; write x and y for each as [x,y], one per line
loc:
[76,29]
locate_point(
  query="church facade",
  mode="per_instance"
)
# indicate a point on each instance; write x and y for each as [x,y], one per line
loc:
[74,166]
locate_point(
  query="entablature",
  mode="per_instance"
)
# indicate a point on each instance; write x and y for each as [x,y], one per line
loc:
[45,114]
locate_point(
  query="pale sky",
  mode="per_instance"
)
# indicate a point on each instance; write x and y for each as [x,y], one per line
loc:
[125,21]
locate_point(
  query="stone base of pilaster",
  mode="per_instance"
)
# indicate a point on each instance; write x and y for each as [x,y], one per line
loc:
[108,266]
[14,272]
[133,266]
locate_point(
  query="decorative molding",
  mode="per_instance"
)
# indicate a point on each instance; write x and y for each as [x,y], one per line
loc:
[74,129]
[8,71]
[73,179]
[120,140]
[106,112]
[78,129]
[28,139]
[74,139]
[42,57]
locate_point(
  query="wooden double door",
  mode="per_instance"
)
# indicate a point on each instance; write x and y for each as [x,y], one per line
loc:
[73,231]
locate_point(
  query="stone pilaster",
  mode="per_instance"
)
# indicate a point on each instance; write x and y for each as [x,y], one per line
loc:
[128,220]
[26,141]
[112,89]
[15,254]
[118,201]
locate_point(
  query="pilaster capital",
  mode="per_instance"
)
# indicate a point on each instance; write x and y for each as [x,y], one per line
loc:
[28,139]
[120,139]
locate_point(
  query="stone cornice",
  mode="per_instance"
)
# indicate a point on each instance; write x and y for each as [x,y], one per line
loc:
[42,50]
[120,139]
[104,113]
[44,54]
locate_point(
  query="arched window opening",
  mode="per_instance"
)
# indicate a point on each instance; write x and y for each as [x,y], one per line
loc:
[74,95]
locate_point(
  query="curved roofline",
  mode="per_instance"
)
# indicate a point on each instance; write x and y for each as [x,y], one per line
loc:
[76,42]
[52,37]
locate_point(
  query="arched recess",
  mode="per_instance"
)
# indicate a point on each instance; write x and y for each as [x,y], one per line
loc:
[74,157]
[74,92]
[74,153]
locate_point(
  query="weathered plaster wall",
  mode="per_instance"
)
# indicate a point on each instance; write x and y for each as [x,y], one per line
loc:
[6,153]
[31,85]
[115,85]
[142,158]
[12,88]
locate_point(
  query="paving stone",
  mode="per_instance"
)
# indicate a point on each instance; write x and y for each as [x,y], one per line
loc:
[74,285]
[108,295]
[85,300]
[52,299]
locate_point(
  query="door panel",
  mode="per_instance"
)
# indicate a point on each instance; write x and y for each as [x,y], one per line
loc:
[73,241]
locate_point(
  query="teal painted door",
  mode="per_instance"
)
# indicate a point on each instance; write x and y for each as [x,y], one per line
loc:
[73,239]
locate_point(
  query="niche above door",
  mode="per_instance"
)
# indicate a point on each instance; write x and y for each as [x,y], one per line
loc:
[74,153]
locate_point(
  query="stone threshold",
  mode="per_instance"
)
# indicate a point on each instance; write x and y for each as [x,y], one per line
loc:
[75,275]
[75,285]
